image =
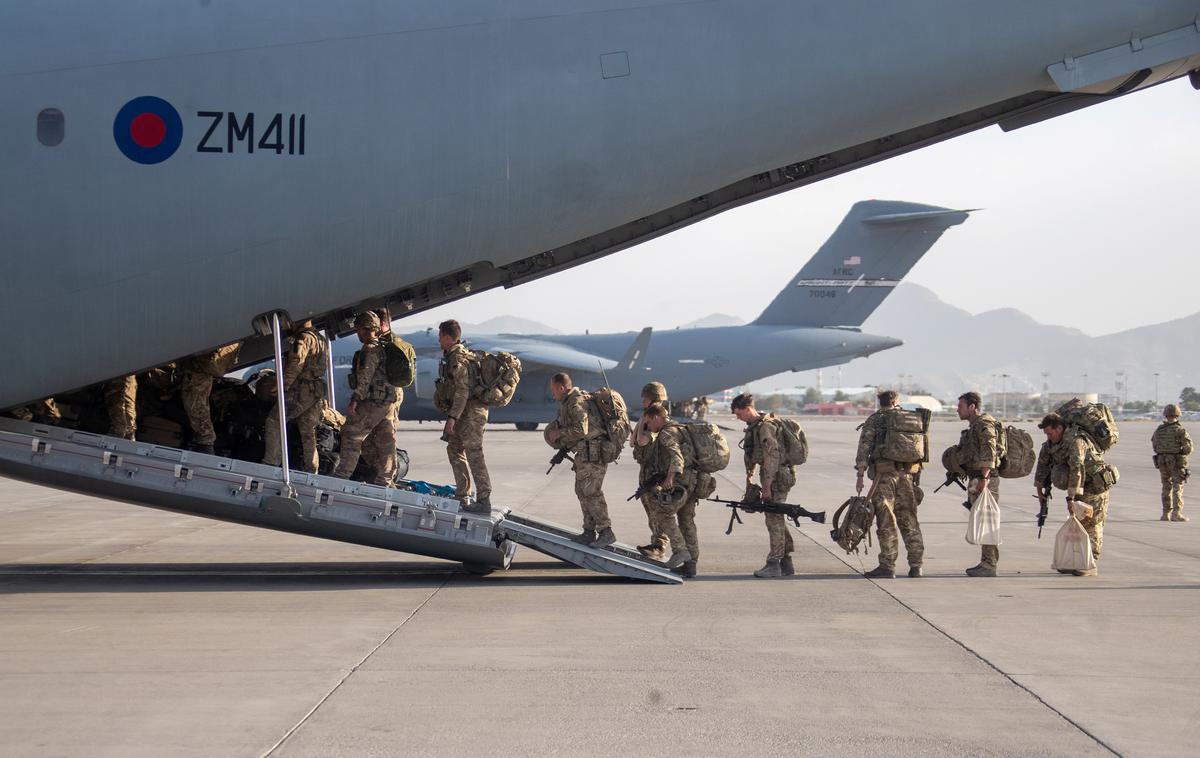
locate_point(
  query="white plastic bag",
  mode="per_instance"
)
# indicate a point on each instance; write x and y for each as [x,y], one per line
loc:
[983,525]
[1073,548]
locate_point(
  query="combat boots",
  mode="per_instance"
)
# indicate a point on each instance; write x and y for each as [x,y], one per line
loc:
[915,572]
[981,570]
[678,558]
[786,567]
[1176,515]
[879,572]
[586,537]
[653,552]
[1166,516]
[770,571]
[604,538]
[1087,572]
[688,570]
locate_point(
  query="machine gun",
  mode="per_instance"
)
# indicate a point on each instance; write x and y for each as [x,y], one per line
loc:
[646,486]
[559,457]
[1043,498]
[756,505]
[953,478]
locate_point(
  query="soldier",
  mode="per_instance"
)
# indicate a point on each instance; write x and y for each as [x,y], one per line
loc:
[979,452]
[894,495]
[120,399]
[1172,446]
[573,432]
[640,441]
[376,445]
[465,421]
[664,458]
[198,375]
[371,410]
[764,453]
[1074,463]
[702,408]
[305,371]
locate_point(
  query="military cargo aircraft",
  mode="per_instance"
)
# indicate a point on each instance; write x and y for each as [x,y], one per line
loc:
[179,170]
[813,322]
[189,174]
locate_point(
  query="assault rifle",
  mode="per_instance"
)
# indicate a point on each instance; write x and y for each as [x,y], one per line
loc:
[559,457]
[1043,498]
[794,512]
[953,478]
[646,486]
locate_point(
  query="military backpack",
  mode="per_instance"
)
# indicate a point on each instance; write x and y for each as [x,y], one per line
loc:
[1017,456]
[1171,439]
[904,437]
[710,450]
[399,361]
[1095,419]
[494,377]
[852,522]
[793,441]
[609,406]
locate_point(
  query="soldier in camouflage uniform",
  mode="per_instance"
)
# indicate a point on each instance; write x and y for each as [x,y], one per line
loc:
[665,458]
[371,409]
[379,445]
[574,431]
[1172,446]
[640,440]
[120,399]
[465,421]
[979,455]
[764,453]
[894,495]
[198,375]
[305,368]
[1072,461]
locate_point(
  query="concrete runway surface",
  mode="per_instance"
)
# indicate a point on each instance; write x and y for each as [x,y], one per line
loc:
[126,631]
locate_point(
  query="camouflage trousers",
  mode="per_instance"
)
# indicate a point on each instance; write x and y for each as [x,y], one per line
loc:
[120,399]
[658,539]
[589,488]
[781,544]
[1094,525]
[895,500]
[1171,474]
[464,450]
[677,522]
[194,391]
[305,406]
[989,555]
[375,422]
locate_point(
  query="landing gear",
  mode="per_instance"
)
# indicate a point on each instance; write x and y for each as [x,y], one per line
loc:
[526,426]
[1194,78]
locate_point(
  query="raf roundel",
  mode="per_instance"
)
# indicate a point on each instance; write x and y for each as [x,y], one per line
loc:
[148,130]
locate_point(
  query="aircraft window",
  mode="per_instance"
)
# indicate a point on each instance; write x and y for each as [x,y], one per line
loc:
[51,127]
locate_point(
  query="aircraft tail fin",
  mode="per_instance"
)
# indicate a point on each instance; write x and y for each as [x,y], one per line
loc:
[637,351]
[877,243]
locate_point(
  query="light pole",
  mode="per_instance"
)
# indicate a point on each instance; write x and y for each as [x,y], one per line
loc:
[1085,384]
[1118,382]
[1045,392]
[1004,396]
[1156,390]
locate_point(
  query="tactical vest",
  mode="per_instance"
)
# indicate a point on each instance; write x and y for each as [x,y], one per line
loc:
[316,364]
[379,390]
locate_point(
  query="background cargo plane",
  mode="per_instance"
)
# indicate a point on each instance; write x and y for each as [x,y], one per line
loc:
[176,170]
[813,322]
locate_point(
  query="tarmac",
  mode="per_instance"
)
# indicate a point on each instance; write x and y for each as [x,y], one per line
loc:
[126,631]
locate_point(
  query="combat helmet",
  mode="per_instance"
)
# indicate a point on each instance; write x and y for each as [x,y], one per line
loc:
[656,391]
[1171,410]
[367,319]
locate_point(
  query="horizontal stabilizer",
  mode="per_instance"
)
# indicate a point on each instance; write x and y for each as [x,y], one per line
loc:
[873,248]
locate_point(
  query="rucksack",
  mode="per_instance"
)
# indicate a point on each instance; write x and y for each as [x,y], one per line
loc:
[1017,457]
[710,450]
[609,406]
[494,377]
[852,522]
[904,437]
[794,442]
[1095,419]
[399,361]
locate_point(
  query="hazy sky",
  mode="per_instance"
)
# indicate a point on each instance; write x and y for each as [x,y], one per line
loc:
[1090,221]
